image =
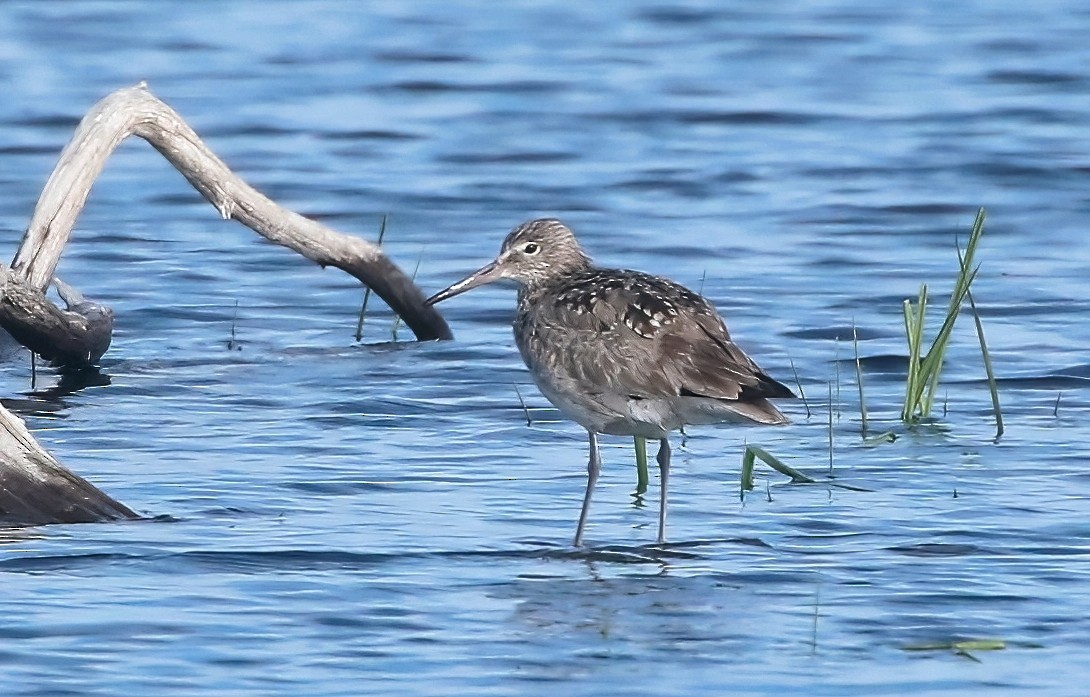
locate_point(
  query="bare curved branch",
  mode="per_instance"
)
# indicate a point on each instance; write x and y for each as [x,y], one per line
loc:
[135,111]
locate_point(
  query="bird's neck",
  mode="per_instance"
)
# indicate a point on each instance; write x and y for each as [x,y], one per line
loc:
[529,294]
[532,291]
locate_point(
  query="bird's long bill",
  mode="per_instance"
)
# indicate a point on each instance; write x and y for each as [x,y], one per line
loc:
[483,275]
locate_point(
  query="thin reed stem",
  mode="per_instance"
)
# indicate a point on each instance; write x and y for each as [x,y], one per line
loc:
[367,290]
[859,382]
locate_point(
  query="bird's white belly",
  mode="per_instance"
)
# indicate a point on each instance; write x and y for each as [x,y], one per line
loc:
[613,414]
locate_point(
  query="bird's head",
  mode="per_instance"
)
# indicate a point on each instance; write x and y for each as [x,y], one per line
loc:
[532,254]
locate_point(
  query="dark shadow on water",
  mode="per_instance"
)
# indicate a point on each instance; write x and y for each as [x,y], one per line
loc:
[640,554]
[938,549]
[50,401]
[35,407]
[71,382]
[295,560]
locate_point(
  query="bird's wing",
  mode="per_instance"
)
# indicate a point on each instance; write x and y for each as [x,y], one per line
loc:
[651,337]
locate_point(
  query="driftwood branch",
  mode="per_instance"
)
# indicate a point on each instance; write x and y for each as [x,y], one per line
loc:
[35,489]
[80,339]
[74,338]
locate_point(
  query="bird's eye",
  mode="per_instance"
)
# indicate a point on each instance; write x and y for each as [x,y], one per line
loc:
[531,248]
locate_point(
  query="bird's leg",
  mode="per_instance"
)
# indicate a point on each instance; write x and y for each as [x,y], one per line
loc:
[664,476]
[594,466]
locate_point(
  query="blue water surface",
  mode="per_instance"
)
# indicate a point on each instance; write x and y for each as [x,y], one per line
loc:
[342,518]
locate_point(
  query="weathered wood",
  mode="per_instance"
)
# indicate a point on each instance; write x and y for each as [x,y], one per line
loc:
[72,338]
[135,111]
[35,489]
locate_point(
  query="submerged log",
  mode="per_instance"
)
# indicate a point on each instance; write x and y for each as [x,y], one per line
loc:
[74,338]
[35,489]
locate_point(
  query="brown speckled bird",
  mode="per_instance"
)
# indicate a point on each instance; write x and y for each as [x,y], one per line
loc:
[622,352]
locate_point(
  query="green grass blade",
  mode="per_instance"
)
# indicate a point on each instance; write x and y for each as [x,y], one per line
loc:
[980,645]
[641,464]
[922,382]
[522,403]
[884,437]
[754,453]
[776,464]
[906,409]
[914,321]
[932,363]
[992,386]
[749,458]
[966,259]
[798,383]
[859,383]
[938,346]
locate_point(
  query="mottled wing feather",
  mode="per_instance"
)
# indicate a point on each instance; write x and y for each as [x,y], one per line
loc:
[650,337]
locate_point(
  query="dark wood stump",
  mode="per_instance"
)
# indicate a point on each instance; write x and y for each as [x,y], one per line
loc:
[35,489]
